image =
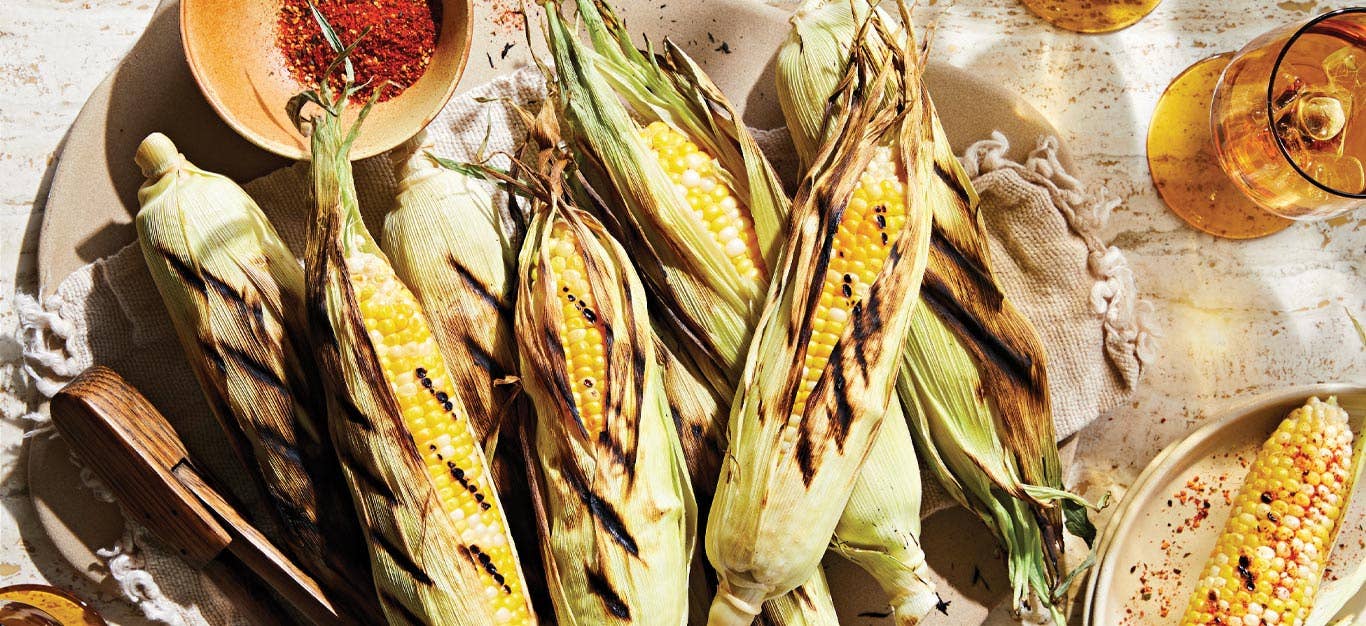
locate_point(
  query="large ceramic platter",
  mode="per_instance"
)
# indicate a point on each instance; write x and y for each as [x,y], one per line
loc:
[1154,547]
[93,198]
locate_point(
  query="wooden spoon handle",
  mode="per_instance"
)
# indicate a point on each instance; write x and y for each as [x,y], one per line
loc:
[128,443]
[253,550]
[118,432]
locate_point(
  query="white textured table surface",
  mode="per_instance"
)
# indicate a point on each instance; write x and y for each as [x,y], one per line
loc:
[1238,317]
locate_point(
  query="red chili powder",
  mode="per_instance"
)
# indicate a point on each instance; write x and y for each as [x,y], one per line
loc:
[397,49]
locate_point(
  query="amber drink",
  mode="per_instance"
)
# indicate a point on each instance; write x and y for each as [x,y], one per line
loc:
[1289,117]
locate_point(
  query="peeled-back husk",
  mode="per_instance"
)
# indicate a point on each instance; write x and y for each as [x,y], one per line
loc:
[617,511]
[458,254]
[413,547]
[782,492]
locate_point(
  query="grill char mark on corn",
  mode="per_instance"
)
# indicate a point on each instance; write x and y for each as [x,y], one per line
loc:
[950,180]
[187,275]
[481,359]
[602,588]
[256,369]
[405,562]
[484,292]
[860,240]
[406,359]
[367,476]
[941,299]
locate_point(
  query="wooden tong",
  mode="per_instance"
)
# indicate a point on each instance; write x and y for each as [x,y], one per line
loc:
[119,434]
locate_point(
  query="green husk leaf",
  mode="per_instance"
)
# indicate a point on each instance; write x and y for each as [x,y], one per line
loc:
[818,457]
[1079,522]
[617,507]
[235,293]
[410,537]
[881,524]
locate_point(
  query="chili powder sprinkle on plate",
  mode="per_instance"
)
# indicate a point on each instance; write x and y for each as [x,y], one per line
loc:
[395,52]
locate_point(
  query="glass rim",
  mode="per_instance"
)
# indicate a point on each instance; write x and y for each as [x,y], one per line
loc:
[1271,98]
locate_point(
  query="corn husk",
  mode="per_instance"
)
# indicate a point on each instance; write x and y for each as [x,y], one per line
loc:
[993,450]
[617,510]
[458,254]
[702,301]
[603,133]
[234,293]
[771,510]
[415,552]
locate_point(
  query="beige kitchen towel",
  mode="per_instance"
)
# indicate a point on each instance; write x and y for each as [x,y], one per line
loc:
[1043,227]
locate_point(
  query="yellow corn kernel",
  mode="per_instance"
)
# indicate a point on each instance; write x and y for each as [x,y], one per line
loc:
[1269,561]
[582,340]
[421,385]
[867,232]
[713,202]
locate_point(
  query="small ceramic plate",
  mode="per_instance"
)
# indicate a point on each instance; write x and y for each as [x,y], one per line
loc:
[1152,551]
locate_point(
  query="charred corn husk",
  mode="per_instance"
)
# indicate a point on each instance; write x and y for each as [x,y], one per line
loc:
[704,213]
[619,517]
[453,249]
[974,371]
[234,293]
[439,545]
[820,371]
[458,254]
[699,412]
[1269,562]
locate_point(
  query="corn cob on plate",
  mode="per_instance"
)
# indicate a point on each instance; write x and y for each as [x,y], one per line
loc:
[1153,553]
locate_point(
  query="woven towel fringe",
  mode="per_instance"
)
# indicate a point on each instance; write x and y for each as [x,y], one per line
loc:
[45,336]
[49,363]
[1129,324]
[127,567]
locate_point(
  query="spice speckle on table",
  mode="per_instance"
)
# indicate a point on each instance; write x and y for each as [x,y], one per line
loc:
[1239,318]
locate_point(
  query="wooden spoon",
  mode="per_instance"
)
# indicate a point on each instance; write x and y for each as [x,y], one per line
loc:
[124,439]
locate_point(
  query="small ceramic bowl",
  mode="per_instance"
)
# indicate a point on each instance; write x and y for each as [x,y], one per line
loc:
[231,50]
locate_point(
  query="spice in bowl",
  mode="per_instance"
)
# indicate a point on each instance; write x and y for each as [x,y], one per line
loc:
[394,53]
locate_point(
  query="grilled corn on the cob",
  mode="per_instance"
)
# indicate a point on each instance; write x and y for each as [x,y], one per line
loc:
[619,516]
[458,254]
[994,451]
[820,371]
[1269,562]
[234,293]
[439,543]
[704,211]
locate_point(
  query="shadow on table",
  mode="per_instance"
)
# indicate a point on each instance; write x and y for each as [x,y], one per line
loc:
[150,90]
